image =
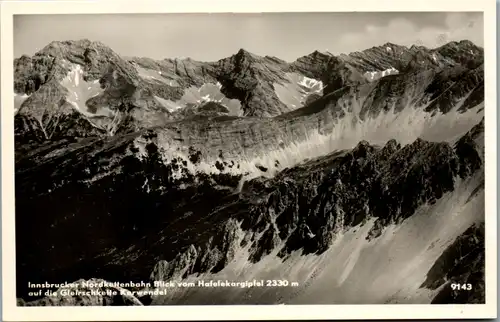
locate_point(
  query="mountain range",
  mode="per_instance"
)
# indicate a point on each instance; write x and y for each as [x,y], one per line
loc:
[360,176]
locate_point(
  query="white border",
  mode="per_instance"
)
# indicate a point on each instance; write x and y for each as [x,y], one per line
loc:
[237,312]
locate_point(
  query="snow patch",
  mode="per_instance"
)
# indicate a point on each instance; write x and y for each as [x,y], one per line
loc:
[311,83]
[80,91]
[295,92]
[374,75]
[170,105]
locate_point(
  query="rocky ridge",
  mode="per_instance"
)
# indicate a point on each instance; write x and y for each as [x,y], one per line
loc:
[129,94]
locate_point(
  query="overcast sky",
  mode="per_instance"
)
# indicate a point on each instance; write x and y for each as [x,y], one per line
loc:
[213,36]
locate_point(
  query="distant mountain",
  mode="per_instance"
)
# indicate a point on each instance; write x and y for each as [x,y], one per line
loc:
[341,172]
[80,88]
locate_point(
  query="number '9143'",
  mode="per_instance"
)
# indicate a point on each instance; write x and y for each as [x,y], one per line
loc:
[461,287]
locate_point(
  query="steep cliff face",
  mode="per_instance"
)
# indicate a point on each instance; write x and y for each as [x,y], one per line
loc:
[163,176]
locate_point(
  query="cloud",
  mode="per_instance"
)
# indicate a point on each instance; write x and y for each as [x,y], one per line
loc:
[213,36]
[402,31]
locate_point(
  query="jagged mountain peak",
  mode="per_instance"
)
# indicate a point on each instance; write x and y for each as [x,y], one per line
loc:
[464,44]
[391,44]
[315,62]
[388,46]
[57,47]
[263,85]
[243,53]
[460,46]
[275,59]
[417,47]
[187,59]
[461,43]
[95,57]
[463,52]
[318,55]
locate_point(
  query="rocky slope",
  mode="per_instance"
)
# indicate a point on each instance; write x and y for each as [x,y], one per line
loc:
[167,170]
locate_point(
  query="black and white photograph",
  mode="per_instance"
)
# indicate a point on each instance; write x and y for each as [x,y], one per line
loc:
[249,158]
